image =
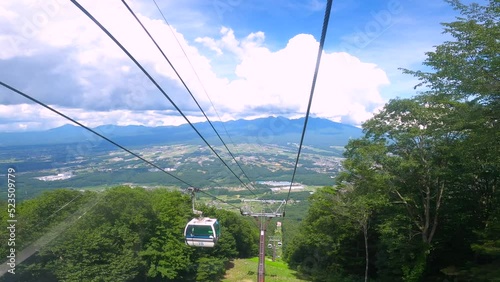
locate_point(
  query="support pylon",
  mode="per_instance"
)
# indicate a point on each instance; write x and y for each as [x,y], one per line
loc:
[264,217]
[261,273]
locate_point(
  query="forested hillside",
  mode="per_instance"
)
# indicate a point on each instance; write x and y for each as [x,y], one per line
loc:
[419,199]
[124,234]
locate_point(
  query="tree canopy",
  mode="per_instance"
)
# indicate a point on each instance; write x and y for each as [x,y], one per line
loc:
[124,234]
[420,189]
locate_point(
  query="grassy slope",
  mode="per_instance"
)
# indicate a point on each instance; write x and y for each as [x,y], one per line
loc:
[245,270]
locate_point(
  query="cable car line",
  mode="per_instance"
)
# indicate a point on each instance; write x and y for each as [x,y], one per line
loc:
[89,15]
[201,231]
[218,199]
[195,72]
[105,138]
[185,86]
[59,209]
[318,61]
[91,130]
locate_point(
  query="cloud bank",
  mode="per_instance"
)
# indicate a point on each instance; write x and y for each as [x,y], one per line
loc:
[53,52]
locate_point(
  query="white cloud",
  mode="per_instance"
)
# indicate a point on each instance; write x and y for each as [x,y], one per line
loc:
[109,89]
[23,117]
[347,89]
[210,43]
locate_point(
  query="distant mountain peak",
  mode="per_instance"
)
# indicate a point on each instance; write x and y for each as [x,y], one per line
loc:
[272,129]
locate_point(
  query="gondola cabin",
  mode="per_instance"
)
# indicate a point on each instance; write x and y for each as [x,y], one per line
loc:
[202,232]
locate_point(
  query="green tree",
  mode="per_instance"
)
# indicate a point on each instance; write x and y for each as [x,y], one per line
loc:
[488,248]
[464,78]
[433,160]
[244,232]
[327,247]
[104,245]
[165,253]
[36,216]
[40,221]
[468,66]
[210,269]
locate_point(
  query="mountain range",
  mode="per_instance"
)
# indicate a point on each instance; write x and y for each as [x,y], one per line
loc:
[321,133]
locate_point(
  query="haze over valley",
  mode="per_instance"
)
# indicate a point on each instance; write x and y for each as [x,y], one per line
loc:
[266,148]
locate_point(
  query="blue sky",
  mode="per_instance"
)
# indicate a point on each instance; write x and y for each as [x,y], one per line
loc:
[253,59]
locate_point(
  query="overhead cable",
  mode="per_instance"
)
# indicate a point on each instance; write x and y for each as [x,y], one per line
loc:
[103,137]
[89,15]
[318,61]
[91,130]
[196,74]
[185,85]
